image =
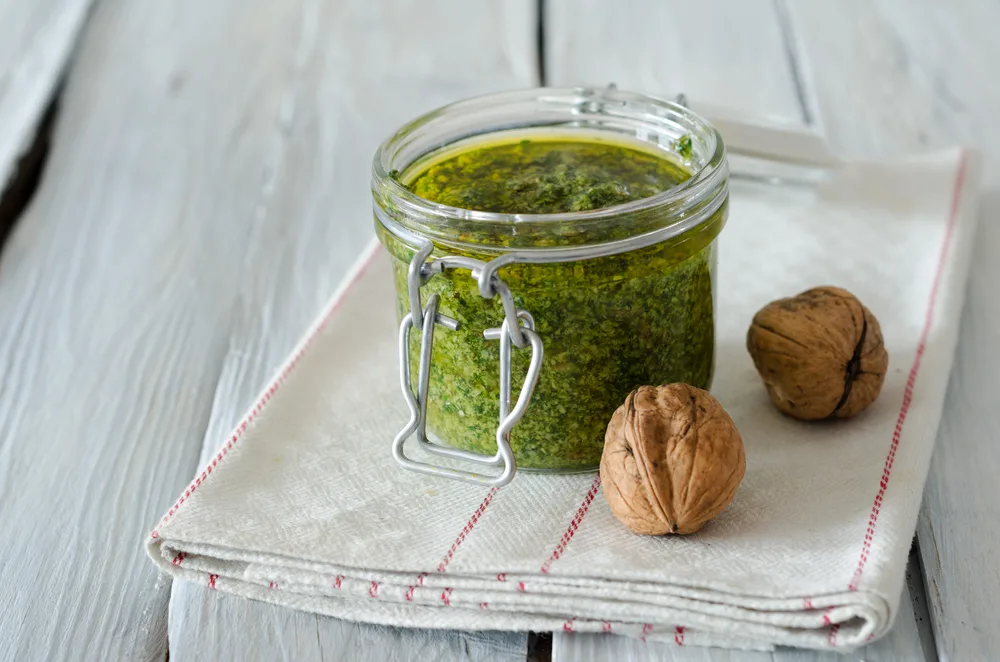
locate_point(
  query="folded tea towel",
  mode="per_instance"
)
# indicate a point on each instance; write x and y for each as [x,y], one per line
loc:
[304,506]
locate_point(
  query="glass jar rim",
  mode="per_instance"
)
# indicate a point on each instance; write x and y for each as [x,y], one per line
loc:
[588,108]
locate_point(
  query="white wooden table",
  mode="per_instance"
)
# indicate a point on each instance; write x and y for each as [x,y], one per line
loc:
[207,186]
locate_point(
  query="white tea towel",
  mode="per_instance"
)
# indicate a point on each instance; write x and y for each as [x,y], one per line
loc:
[304,506]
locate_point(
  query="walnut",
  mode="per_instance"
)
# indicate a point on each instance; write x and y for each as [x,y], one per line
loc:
[672,459]
[820,354]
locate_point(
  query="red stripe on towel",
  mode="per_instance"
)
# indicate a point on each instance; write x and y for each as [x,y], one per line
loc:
[574,524]
[466,530]
[911,380]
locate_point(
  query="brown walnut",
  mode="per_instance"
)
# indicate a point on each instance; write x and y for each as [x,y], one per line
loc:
[672,460]
[820,354]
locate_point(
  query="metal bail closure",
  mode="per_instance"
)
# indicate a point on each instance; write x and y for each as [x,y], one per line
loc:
[426,321]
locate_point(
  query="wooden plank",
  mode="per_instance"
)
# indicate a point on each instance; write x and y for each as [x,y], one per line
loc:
[36,40]
[600,647]
[893,76]
[306,229]
[918,599]
[191,147]
[959,525]
[109,350]
[897,76]
[203,626]
[725,52]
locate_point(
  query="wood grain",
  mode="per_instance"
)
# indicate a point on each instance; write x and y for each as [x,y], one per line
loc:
[724,52]
[897,76]
[109,350]
[210,626]
[207,185]
[36,41]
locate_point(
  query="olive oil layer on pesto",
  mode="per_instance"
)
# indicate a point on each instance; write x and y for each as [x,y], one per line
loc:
[546,177]
[608,324]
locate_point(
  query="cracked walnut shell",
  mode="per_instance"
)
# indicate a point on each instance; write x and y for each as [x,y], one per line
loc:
[672,460]
[820,354]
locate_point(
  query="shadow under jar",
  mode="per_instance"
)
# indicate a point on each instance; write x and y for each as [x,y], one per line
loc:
[598,211]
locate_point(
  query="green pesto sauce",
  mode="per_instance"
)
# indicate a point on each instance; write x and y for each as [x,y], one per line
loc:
[546,177]
[608,324]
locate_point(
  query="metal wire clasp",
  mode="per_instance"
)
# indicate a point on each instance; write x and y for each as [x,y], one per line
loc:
[518,329]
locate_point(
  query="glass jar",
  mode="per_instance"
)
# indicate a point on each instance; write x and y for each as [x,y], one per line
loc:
[568,312]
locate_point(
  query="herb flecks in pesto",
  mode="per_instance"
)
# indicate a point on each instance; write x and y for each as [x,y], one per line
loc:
[684,146]
[545,177]
[608,324]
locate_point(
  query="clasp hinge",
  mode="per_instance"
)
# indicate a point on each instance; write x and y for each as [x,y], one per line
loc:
[517,329]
